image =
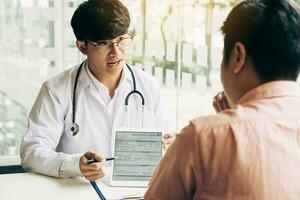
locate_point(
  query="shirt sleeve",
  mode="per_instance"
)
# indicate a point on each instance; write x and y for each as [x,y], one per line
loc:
[175,176]
[45,128]
[70,167]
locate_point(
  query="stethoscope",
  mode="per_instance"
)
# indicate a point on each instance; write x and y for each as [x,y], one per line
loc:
[74,129]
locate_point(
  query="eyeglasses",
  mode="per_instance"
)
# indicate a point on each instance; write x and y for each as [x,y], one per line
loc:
[123,42]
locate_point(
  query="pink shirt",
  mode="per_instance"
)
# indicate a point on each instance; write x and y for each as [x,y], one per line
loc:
[251,152]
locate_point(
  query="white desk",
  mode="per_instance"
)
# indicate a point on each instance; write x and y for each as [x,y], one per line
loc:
[36,187]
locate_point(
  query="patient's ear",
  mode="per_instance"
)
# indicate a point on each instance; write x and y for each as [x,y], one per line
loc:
[239,57]
[81,45]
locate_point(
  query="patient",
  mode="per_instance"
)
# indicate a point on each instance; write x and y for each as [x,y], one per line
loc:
[251,148]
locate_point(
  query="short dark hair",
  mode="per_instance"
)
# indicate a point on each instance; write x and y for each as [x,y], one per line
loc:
[270,31]
[96,20]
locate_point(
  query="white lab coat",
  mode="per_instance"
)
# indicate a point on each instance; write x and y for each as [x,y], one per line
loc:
[49,148]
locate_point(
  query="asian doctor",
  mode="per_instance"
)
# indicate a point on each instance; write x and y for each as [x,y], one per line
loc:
[76,112]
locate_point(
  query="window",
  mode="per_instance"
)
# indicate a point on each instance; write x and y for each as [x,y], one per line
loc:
[71,4]
[45,47]
[177,41]
[189,86]
[51,3]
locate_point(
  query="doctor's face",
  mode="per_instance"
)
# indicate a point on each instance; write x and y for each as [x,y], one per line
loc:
[107,56]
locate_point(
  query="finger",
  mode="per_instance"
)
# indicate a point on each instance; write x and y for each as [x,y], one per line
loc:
[218,107]
[92,172]
[89,154]
[225,102]
[98,158]
[165,142]
[167,135]
[83,163]
[83,159]
[170,140]
[97,166]
[92,167]
[94,177]
[219,101]
[215,104]
[92,155]
[166,146]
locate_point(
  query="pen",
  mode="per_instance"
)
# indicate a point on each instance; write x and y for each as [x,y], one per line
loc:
[93,183]
[112,158]
[93,160]
[98,191]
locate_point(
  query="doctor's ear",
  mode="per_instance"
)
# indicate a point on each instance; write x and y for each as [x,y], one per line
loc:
[81,45]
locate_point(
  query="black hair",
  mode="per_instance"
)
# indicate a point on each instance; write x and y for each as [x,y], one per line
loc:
[96,20]
[270,31]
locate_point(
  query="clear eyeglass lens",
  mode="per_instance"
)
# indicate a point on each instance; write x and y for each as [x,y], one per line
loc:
[123,43]
[102,44]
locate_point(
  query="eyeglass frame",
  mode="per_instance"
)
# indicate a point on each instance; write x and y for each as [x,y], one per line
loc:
[109,43]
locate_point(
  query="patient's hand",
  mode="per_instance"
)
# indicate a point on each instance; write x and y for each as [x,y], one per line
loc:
[220,102]
[168,139]
[94,170]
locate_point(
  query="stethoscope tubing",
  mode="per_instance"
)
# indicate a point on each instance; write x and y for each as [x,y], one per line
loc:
[74,126]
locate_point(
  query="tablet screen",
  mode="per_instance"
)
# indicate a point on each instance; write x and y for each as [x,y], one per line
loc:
[138,155]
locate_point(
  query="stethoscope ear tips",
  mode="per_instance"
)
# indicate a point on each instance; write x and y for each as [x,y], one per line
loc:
[74,129]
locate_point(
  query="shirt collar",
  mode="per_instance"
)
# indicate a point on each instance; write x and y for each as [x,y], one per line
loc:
[270,90]
[86,78]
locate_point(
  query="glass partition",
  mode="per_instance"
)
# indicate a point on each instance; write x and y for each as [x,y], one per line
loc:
[177,41]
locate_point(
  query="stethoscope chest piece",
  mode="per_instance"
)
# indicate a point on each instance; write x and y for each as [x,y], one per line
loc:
[74,129]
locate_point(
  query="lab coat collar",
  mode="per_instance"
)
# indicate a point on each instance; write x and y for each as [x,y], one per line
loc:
[85,81]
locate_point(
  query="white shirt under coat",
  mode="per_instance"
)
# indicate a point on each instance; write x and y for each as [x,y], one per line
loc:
[49,148]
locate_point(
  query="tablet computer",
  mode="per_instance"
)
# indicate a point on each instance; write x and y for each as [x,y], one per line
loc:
[138,152]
